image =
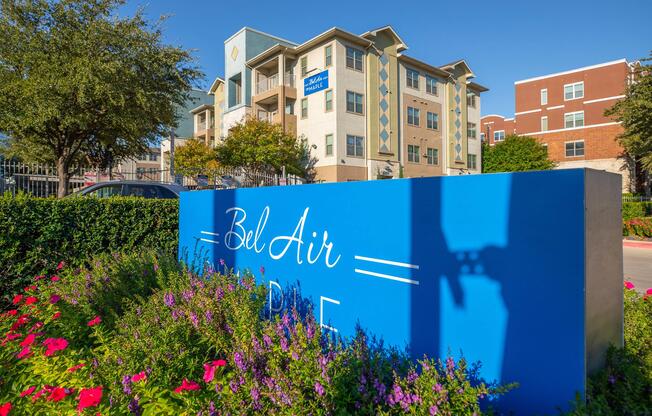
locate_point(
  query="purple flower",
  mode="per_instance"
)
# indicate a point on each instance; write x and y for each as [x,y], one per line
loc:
[234,386]
[319,389]
[176,314]
[222,263]
[126,385]
[437,387]
[284,344]
[612,379]
[208,316]
[255,394]
[187,295]
[194,319]
[262,270]
[219,294]
[310,330]
[134,407]
[433,410]
[211,409]
[267,340]
[412,377]
[169,300]
[237,359]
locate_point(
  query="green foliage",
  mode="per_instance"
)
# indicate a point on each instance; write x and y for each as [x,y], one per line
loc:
[195,158]
[515,154]
[210,335]
[80,82]
[633,112]
[636,210]
[624,386]
[638,227]
[36,234]
[260,146]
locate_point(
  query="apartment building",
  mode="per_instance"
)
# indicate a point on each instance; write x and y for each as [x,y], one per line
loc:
[565,112]
[368,110]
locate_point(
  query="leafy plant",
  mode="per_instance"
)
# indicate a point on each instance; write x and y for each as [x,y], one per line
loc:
[638,227]
[515,153]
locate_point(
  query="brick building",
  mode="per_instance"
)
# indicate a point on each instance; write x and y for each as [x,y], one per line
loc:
[565,111]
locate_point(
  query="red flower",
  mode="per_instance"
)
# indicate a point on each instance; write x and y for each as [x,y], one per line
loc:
[76,367]
[138,377]
[629,285]
[5,408]
[22,320]
[54,344]
[24,353]
[12,312]
[209,369]
[30,288]
[60,265]
[56,315]
[17,299]
[55,278]
[94,321]
[37,278]
[187,385]
[45,389]
[89,397]
[13,336]
[27,392]
[54,299]
[29,340]
[57,394]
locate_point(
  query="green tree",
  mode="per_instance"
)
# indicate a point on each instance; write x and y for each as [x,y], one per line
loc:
[78,82]
[634,112]
[194,158]
[259,146]
[514,154]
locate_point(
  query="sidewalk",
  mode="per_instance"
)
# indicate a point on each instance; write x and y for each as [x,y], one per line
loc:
[637,244]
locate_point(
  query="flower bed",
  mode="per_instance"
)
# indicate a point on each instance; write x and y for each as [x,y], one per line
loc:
[138,334]
[638,227]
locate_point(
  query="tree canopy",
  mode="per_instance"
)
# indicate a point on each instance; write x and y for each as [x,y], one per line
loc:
[514,154]
[635,114]
[77,82]
[195,158]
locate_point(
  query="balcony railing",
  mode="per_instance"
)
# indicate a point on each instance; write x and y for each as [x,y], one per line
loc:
[270,82]
[201,126]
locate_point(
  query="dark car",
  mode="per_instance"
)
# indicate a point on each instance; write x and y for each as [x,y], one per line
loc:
[143,189]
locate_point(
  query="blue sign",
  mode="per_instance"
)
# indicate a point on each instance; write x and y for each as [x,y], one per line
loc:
[315,83]
[489,266]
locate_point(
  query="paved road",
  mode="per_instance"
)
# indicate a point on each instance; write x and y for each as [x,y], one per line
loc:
[638,267]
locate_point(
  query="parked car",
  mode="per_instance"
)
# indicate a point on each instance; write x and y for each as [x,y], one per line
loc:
[145,189]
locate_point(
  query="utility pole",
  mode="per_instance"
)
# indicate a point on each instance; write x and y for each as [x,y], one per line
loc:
[172,156]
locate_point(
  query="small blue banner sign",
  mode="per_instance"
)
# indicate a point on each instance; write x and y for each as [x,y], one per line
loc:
[521,271]
[315,83]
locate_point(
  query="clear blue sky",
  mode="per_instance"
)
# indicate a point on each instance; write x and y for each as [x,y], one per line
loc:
[502,41]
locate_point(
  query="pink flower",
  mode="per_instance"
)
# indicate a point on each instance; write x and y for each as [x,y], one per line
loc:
[209,369]
[37,278]
[54,299]
[55,278]
[629,285]
[24,353]
[89,397]
[27,392]
[53,345]
[56,315]
[30,288]
[60,265]
[5,408]
[94,321]
[57,394]
[12,312]
[187,385]
[138,377]
[29,340]
[30,300]
[76,367]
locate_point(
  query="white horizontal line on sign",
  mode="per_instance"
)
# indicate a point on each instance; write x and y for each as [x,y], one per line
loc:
[387,276]
[209,233]
[209,241]
[390,262]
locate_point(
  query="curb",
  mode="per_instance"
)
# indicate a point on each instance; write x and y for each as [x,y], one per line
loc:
[637,244]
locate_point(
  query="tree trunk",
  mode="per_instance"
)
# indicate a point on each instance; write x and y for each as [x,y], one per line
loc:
[64,177]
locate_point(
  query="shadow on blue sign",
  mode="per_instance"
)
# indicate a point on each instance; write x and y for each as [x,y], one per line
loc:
[488,266]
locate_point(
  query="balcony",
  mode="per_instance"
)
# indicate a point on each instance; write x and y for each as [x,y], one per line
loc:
[274,117]
[267,88]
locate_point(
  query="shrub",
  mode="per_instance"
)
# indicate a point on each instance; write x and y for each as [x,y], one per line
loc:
[636,210]
[184,345]
[36,233]
[638,227]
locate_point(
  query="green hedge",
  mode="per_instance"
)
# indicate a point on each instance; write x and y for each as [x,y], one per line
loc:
[36,233]
[636,210]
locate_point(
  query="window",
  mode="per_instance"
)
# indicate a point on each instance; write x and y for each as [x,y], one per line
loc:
[354,102]
[471,131]
[471,99]
[354,58]
[143,191]
[499,135]
[573,91]
[432,120]
[472,161]
[354,146]
[544,96]
[329,145]
[328,56]
[575,149]
[413,116]
[412,78]
[575,119]
[304,108]
[235,90]
[413,153]
[482,137]
[433,156]
[107,191]
[544,123]
[431,85]
[304,66]
[328,95]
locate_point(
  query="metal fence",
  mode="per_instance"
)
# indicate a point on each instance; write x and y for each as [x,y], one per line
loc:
[41,180]
[636,198]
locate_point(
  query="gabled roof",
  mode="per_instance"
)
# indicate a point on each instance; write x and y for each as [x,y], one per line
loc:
[247,28]
[401,45]
[215,84]
[462,63]
[201,107]
[477,87]
[417,63]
